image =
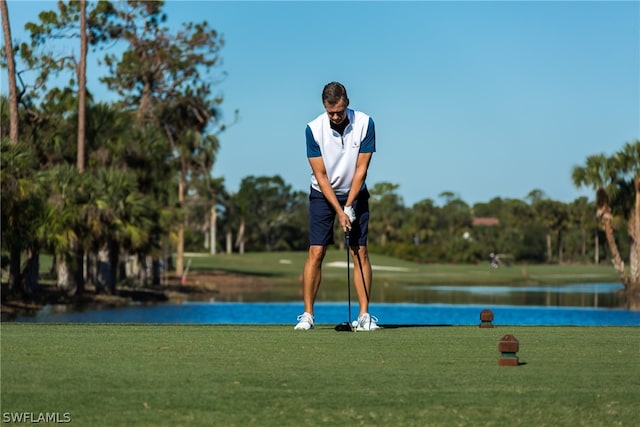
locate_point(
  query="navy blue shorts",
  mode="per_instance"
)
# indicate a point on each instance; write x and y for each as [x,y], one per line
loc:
[322,217]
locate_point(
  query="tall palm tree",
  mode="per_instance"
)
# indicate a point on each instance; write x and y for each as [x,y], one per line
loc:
[599,173]
[627,163]
[616,180]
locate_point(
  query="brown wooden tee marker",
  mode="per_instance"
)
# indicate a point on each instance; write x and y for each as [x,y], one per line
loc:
[508,347]
[486,319]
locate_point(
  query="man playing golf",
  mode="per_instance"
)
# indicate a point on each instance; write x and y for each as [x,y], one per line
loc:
[340,144]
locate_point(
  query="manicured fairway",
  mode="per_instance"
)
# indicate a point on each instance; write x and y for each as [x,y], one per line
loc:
[172,375]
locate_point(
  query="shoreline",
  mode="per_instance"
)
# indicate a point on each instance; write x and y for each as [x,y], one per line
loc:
[200,286]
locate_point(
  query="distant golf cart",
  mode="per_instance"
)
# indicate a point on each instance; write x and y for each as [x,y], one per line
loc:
[500,260]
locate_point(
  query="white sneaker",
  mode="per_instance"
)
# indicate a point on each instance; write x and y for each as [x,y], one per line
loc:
[305,322]
[367,323]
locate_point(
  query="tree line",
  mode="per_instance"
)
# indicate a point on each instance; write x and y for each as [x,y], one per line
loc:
[91,181]
[118,191]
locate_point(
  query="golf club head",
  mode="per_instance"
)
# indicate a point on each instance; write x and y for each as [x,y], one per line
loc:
[344,327]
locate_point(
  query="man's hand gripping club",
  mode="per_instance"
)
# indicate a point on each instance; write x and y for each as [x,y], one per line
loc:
[351,215]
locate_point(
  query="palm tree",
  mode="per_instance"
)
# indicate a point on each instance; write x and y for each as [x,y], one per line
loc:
[627,162]
[61,227]
[616,181]
[129,204]
[599,173]
[117,216]
[22,201]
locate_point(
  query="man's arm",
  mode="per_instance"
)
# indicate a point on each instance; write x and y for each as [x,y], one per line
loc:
[367,148]
[362,166]
[320,172]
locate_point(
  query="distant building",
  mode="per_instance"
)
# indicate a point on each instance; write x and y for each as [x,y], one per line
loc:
[485,222]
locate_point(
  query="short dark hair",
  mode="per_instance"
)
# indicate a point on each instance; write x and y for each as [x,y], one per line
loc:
[333,92]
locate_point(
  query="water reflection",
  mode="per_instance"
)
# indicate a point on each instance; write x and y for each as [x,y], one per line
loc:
[573,304]
[603,295]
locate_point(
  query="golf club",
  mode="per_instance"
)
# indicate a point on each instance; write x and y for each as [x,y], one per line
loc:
[346,326]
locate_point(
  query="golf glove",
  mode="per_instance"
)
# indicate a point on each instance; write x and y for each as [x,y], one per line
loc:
[350,213]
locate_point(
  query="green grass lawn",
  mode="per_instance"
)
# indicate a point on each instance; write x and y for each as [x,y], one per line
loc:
[223,375]
[288,266]
[391,276]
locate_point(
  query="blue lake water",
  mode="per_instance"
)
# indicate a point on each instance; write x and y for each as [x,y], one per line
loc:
[592,304]
[396,314]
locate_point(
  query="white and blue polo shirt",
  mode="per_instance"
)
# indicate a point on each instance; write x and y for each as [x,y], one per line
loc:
[340,152]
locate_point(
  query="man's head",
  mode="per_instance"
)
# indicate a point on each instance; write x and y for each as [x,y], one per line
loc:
[335,101]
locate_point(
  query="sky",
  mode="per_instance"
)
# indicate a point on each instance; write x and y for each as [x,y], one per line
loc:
[482,99]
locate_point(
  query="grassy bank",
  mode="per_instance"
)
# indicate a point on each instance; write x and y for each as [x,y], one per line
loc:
[276,276]
[152,375]
[281,272]
[288,266]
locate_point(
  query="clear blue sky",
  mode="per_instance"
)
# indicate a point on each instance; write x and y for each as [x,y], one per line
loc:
[483,99]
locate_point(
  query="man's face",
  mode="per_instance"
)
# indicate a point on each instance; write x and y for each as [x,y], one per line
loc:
[337,112]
